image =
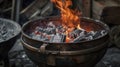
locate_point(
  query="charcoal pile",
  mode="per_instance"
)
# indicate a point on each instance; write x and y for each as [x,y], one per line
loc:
[57,33]
[6,31]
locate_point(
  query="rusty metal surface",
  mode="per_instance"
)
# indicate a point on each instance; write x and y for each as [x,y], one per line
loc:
[84,23]
[58,60]
[77,52]
[19,58]
[86,53]
[78,46]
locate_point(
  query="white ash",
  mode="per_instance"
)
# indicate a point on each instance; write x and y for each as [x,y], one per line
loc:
[51,24]
[58,38]
[76,33]
[89,36]
[54,33]
[5,32]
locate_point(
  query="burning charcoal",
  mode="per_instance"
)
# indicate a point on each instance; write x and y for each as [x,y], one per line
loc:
[83,33]
[103,32]
[58,38]
[89,38]
[91,33]
[59,33]
[60,27]
[50,24]
[60,30]
[32,34]
[82,36]
[99,34]
[78,39]
[38,37]
[50,30]
[75,33]
[44,38]
[40,29]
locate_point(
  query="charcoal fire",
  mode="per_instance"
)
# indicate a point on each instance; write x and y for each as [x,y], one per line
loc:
[68,28]
[53,33]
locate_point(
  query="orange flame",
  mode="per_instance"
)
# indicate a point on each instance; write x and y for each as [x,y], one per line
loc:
[69,17]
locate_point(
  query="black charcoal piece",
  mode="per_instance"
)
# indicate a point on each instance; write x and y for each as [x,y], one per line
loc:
[89,38]
[39,29]
[50,24]
[103,32]
[75,33]
[50,30]
[82,34]
[91,33]
[98,34]
[78,39]
[57,31]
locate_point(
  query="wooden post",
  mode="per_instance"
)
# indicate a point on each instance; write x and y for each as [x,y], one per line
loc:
[15,10]
[87,8]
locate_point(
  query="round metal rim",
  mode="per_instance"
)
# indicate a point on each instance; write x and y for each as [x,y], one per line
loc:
[18,28]
[85,51]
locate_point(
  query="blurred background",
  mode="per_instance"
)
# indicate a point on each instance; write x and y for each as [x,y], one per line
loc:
[22,11]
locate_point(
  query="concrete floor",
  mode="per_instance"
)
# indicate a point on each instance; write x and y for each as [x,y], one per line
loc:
[17,47]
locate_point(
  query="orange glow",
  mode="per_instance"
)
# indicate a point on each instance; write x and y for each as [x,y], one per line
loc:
[67,40]
[78,26]
[70,18]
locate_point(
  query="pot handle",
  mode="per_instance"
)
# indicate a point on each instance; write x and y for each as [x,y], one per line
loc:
[43,48]
[50,59]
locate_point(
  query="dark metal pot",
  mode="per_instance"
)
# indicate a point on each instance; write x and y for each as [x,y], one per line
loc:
[6,45]
[81,54]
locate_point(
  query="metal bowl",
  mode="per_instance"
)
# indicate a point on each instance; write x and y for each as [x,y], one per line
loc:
[84,53]
[9,31]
